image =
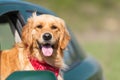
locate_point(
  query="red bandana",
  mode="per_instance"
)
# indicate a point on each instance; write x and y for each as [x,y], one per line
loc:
[43,66]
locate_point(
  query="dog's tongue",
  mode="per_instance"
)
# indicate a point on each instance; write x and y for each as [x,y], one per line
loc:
[47,50]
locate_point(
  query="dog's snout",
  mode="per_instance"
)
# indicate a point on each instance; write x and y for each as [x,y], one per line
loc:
[47,36]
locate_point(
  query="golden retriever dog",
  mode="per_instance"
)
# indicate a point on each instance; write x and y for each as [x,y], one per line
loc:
[44,38]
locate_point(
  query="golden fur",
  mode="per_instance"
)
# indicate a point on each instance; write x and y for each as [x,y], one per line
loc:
[16,58]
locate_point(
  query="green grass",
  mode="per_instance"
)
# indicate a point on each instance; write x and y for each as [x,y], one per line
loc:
[108,55]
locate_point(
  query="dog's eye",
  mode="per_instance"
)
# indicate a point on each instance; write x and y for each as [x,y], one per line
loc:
[53,27]
[39,26]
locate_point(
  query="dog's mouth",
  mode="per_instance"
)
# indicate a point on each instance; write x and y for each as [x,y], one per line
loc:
[46,48]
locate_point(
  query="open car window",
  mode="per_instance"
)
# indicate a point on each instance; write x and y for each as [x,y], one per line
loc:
[6,36]
[10,29]
[10,32]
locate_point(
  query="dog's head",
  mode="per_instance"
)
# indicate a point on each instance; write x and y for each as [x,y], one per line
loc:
[46,32]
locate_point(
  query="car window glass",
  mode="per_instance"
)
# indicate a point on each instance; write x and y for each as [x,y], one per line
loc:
[69,55]
[6,36]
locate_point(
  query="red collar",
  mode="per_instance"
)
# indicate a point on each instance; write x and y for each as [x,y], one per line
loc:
[43,66]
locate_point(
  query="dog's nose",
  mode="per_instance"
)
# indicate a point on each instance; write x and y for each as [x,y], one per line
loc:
[47,36]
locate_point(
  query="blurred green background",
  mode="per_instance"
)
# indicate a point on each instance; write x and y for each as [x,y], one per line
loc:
[96,25]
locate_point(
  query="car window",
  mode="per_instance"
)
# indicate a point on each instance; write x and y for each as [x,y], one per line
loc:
[10,28]
[6,36]
[69,55]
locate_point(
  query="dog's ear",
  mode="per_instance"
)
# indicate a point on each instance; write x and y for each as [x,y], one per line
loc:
[27,33]
[64,36]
